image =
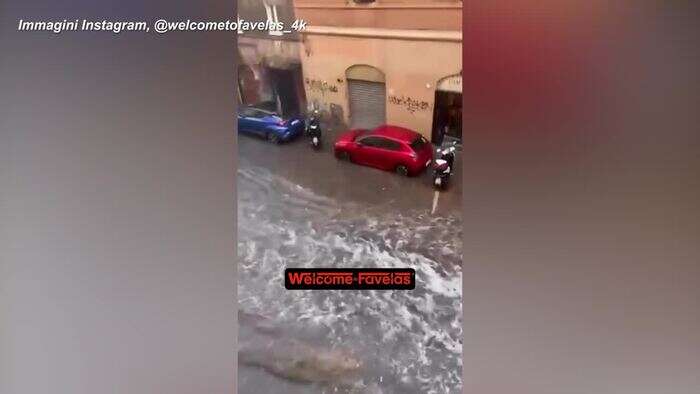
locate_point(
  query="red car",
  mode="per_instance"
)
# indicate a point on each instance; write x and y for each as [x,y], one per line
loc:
[387,147]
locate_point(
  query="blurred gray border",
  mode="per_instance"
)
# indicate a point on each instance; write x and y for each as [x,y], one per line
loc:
[117,203]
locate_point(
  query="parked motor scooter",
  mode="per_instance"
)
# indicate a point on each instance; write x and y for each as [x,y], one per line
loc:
[313,129]
[443,166]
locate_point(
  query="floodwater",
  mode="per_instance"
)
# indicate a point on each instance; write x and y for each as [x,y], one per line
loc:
[408,341]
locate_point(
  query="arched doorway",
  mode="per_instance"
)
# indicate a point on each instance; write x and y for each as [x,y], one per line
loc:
[366,96]
[247,85]
[447,115]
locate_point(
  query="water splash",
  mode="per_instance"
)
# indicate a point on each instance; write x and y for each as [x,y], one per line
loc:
[411,340]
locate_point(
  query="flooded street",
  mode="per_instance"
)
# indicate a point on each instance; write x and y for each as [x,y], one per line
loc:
[304,209]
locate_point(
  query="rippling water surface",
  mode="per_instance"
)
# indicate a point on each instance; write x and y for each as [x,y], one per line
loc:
[409,341]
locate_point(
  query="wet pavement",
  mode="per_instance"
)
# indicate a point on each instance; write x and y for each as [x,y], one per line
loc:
[303,208]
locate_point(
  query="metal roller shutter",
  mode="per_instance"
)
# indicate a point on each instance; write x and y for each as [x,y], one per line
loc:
[367,103]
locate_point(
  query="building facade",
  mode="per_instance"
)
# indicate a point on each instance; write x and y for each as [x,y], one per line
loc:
[367,63]
[269,71]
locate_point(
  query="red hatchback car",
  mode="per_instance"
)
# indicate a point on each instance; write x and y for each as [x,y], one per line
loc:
[390,148]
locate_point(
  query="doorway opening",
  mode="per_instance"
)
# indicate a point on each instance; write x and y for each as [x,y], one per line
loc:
[447,118]
[285,83]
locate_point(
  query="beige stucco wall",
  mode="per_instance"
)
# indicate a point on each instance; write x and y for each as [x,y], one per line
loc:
[412,68]
[383,14]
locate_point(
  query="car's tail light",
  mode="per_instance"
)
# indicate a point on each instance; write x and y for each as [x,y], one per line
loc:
[413,155]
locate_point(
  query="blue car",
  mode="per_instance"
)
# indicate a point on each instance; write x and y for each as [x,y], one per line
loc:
[269,125]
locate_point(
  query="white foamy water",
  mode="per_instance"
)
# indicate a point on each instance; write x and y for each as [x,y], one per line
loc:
[411,341]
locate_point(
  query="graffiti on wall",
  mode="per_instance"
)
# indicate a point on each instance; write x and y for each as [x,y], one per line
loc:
[411,105]
[331,113]
[316,85]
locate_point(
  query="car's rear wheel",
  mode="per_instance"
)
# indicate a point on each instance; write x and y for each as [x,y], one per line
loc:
[402,170]
[343,155]
[273,137]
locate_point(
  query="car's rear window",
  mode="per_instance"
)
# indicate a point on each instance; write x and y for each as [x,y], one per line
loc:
[418,143]
[361,133]
[253,112]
